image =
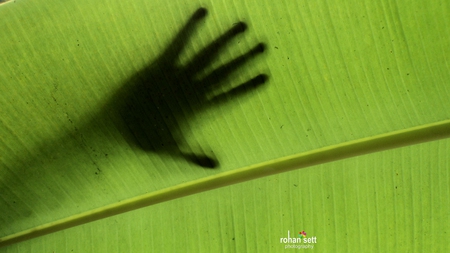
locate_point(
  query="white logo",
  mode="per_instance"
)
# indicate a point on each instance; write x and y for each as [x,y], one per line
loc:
[299,242]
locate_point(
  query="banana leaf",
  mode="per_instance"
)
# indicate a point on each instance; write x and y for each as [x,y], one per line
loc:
[109,107]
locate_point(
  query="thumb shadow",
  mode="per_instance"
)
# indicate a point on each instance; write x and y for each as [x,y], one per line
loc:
[153,105]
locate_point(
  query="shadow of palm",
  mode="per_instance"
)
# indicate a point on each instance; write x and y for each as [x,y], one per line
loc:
[155,102]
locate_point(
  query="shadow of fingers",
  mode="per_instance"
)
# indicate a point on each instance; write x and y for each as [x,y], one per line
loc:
[179,42]
[240,89]
[207,55]
[224,71]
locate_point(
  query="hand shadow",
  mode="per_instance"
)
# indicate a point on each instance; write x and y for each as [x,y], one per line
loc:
[149,111]
[155,102]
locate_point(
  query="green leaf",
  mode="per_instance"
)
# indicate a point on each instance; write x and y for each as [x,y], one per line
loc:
[344,79]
